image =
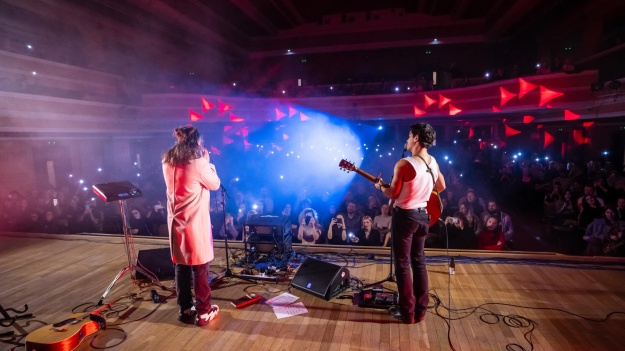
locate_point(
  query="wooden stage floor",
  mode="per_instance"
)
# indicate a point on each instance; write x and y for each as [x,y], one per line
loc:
[536,301]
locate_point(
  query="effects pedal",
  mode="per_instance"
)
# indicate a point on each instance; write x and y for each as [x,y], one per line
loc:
[375,298]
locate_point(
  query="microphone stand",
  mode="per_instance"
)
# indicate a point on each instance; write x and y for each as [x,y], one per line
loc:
[229,272]
[391,275]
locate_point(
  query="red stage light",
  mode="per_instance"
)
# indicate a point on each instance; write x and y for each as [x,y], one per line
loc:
[223,107]
[453,110]
[579,138]
[279,115]
[471,132]
[292,111]
[235,118]
[525,87]
[505,96]
[528,119]
[495,109]
[548,140]
[547,95]
[570,116]
[510,132]
[418,112]
[442,101]
[588,124]
[206,105]
[303,117]
[225,140]
[428,101]
[195,116]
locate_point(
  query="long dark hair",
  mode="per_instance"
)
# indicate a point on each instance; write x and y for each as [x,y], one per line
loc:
[187,147]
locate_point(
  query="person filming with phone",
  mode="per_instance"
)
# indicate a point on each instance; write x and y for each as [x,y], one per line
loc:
[337,233]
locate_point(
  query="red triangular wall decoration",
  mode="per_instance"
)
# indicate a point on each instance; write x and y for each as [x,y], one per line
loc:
[194,116]
[525,87]
[206,105]
[547,95]
[505,96]
[418,112]
[442,101]
[223,107]
[428,101]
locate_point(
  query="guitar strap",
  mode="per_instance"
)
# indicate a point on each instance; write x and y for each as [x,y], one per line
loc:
[438,194]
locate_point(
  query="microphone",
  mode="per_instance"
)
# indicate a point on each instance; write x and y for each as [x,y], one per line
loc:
[405,149]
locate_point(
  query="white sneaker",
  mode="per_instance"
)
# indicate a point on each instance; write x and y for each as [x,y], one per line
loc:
[203,319]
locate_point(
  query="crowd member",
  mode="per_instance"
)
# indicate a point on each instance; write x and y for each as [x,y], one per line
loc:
[411,187]
[373,206]
[619,211]
[491,238]
[382,223]
[503,219]
[367,236]
[473,221]
[602,233]
[337,234]
[229,228]
[309,230]
[188,177]
[139,225]
[589,190]
[458,233]
[566,210]
[157,217]
[51,225]
[477,203]
[590,211]
[353,218]
[266,200]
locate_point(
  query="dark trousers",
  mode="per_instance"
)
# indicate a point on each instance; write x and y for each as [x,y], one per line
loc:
[410,229]
[185,275]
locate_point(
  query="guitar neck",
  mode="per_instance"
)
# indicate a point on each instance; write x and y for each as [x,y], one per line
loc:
[369,176]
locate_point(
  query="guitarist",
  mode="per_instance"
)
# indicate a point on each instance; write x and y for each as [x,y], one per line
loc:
[411,187]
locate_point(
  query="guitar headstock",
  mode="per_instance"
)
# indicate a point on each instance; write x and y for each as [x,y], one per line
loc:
[346,165]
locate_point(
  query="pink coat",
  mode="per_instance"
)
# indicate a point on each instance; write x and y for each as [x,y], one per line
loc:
[188,218]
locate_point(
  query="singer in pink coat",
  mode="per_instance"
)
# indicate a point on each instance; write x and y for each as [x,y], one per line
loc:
[189,176]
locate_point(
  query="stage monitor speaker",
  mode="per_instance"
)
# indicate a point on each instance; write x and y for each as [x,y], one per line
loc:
[322,279]
[157,261]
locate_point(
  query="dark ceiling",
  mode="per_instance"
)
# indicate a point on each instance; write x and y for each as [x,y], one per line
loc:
[268,27]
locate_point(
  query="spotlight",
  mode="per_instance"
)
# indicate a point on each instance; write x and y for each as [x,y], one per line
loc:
[30,47]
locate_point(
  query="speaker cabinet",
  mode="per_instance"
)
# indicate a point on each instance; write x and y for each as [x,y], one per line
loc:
[322,279]
[157,261]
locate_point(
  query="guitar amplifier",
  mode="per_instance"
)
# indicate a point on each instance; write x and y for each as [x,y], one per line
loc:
[269,233]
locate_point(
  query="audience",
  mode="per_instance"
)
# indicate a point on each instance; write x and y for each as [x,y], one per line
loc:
[491,238]
[559,185]
[367,236]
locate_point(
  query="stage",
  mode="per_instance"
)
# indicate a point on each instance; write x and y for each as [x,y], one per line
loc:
[539,301]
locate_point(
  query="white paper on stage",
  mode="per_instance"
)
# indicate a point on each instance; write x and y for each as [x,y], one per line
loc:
[282,300]
[290,310]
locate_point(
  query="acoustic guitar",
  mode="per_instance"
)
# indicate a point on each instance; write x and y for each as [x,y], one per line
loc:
[434,205]
[67,334]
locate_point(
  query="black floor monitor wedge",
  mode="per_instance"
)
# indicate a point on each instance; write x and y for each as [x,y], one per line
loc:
[322,279]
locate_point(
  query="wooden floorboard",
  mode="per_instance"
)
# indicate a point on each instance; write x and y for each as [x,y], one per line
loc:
[55,274]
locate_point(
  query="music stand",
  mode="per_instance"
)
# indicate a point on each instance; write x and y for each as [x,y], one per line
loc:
[121,191]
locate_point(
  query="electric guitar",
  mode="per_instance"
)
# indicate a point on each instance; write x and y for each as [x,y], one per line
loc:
[67,334]
[434,205]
